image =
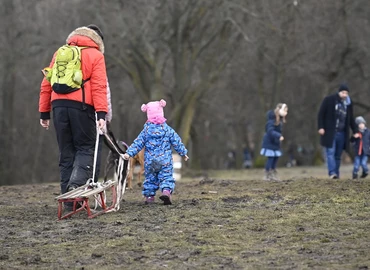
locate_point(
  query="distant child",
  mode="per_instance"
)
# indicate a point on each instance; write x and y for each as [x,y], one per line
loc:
[157,137]
[361,146]
[272,139]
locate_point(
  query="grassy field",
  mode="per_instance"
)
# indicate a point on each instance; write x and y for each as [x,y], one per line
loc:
[219,220]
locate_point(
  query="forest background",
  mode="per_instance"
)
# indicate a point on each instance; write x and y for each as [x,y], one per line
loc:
[219,64]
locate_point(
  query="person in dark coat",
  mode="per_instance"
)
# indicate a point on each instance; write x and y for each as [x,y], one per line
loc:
[272,139]
[361,147]
[335,117]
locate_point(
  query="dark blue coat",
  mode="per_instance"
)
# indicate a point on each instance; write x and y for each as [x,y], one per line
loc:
[327,118]
[271,139]
[365,143]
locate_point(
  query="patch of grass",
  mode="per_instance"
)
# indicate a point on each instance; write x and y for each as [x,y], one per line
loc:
[230,219]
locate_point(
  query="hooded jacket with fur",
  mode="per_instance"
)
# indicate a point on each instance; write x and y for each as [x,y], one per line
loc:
[93,67]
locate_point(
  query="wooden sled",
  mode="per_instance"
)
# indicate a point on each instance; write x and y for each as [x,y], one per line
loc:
[82,197]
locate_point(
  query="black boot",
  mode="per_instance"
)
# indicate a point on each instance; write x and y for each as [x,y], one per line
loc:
[354,176]
[364,174]
[68,206]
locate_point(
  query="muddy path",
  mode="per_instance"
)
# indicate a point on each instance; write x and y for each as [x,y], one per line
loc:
[214,223]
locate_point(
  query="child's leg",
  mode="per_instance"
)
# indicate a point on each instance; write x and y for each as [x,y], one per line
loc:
[150,185]
[274,162]
[165,178]
[356,166]
[274,175]
[167,183]
[365,170]
[269,163]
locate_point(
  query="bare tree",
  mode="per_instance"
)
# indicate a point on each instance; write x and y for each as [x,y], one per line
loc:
[178,52]
[221,64]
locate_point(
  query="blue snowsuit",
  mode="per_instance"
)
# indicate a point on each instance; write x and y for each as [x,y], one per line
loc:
[158,165]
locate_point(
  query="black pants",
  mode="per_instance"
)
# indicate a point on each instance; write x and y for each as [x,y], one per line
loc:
[76,135]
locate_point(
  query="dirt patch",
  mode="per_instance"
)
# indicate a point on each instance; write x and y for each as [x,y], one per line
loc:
[234,199]
[243,224]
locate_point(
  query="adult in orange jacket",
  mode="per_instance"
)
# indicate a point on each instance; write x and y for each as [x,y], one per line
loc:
[74,113]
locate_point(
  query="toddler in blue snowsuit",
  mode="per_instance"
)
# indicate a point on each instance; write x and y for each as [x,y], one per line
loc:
[157,137]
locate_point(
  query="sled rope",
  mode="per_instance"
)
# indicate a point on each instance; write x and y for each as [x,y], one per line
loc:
[121,183]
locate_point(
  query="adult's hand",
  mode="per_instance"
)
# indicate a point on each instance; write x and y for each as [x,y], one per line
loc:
[101,124]
[45,123]
[321,131]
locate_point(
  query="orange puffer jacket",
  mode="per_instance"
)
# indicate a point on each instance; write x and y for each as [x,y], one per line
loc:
[93,67]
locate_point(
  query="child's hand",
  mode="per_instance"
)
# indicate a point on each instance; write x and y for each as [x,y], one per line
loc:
[281,138]
[356,135]
[186,158]
[126,156]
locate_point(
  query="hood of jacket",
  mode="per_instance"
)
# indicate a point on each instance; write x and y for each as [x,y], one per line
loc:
[271,115]
[156,131]
[86,37]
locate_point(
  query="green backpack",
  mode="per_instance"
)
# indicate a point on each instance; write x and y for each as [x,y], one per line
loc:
[66,75]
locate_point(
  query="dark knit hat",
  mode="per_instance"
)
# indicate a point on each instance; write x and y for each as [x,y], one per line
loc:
[96,29]
[343,87]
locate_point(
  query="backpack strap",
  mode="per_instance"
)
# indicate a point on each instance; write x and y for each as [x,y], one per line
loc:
[83,81]
[83,93]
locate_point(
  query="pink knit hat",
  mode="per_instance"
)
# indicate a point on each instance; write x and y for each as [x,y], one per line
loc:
[154,111]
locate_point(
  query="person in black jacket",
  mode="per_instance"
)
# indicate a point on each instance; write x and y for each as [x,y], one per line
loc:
[334,120]
[361,147]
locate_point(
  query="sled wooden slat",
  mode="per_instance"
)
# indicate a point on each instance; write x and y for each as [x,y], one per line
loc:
[90,192]
[72,193]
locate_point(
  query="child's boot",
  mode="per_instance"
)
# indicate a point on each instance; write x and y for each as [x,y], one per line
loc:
[149,200]
[274,176]
[364,174]
[354,176]
[267,176]
[166,197]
